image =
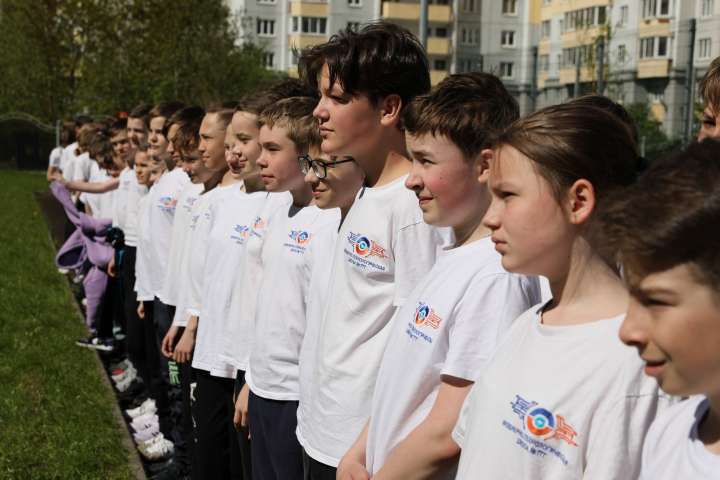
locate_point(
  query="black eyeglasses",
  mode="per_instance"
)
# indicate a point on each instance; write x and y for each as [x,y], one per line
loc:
[319,167]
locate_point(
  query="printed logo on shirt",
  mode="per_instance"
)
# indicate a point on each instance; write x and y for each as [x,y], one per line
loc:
[194,221]
[542,432]
[363,252]
[258,226]
[189,202]
[167,204]
[300,239]
[424,316]
[240,233]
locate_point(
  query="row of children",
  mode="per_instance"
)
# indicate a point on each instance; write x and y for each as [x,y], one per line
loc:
[392,281]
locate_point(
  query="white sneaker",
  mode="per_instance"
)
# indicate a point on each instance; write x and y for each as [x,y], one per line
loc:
[148,406]
[147,435]
[124,384]
[63,271]
[144,419]
[130,372]
[157,450]
[140,426]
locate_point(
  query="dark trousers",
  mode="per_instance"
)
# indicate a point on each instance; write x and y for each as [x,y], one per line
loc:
[217,454]
[156,382]
[135,332]
[314,470]
[243,435]
[110,308]
[184,450]
[276,452]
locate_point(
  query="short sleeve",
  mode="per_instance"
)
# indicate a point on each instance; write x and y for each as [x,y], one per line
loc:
[415,250]
[490,304]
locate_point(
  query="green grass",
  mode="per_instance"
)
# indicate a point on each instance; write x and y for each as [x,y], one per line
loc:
[56,416]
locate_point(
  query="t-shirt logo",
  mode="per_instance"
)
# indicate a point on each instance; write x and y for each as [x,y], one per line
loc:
[424,315]
[543,423]
[240,233]
[189,202]
[167,204]
[365,247]
[300,237]
[258,225]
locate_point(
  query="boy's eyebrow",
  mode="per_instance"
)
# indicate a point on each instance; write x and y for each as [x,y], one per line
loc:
[269,144]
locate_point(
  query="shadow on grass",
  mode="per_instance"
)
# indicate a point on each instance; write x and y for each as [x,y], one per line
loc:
[56,415]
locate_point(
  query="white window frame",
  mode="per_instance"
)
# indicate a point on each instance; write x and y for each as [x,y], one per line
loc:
[624,15]
[298,25]
[544,62]
[545,29]
[354,3]
[354,26]
[507,70]
[705,44]
[506,35]
[271,57]
[707,8]
[654,48]
[265,27]
[509,11]
[653,8]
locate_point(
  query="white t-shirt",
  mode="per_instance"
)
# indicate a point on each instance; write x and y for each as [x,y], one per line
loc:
[163,197]
[178,239]
[384,248]
[193,257]
[55,157]
[143,289]
[201,223]
[228,230]
[324,242]
[240,319]
[556,403]
[83,167]
[102,205]
[672,449]
[67,161]
[273,371]
[450,325]
[128,203]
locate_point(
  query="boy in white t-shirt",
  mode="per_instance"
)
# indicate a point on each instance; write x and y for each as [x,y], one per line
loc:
[666,230]
[384,245]
[288,131]
[448,327]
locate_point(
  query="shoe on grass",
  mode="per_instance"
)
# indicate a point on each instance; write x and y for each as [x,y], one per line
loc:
[130,373]
[147,435]
[96,343]
[148,406]
[145,419]
[156,450]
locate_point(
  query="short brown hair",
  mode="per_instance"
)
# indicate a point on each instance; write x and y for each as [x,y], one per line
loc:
[188,121]
[256,102]
[569,141]
[671,216]
[467,108]
[381,59]
[710,86]
[295,115]
[224,113]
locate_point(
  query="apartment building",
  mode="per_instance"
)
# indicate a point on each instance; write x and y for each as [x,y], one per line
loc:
[283,26]
[646,51]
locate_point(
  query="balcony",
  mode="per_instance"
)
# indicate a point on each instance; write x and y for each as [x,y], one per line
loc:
[567,75]
[657,27]
[300,41]
[438,46]
[411,11]
[579,37]
[436,76]
[309,9]
[653,68]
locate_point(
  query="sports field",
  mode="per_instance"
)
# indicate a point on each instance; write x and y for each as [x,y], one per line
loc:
[56,414]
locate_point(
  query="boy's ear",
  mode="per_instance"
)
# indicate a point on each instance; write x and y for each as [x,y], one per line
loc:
[482,164]
[580,201]
[390,107]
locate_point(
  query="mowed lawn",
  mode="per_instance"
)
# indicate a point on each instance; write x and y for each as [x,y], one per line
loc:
[56,416]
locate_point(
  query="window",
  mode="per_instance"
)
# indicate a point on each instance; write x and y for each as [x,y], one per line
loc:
[469,37]
[706,8]
[272,2]
[469,5]
[509,7]
[441,32]
[704,48]
[583,18]
[440,65]
[354,26]
[624,15]
[354,3]
[654,47]
[655,8]
[506,69]
[507,38]
[268,60]
[544,63]
[622,53]
[311,25]
[545,29]
[265,28]
[547,2]
[571,56]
